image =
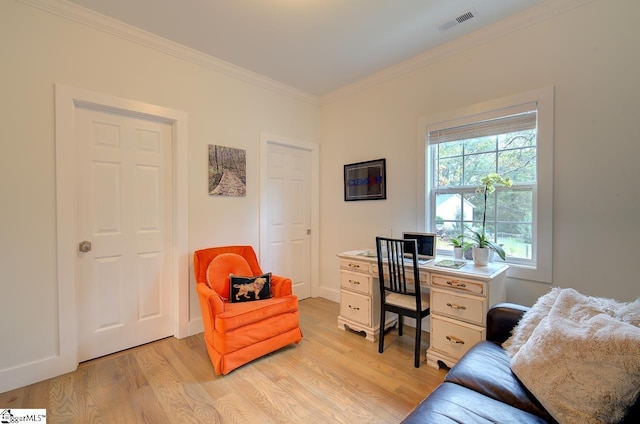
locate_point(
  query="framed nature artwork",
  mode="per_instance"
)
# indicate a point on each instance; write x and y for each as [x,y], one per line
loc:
[227,171]
[365,180]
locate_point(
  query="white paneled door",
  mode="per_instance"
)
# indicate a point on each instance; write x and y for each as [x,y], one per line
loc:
[124,210]
[288,215]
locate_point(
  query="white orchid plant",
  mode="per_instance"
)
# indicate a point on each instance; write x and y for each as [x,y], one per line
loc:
[487,186]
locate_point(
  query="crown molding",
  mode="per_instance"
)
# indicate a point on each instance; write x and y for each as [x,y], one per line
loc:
[532,16]
[136,35]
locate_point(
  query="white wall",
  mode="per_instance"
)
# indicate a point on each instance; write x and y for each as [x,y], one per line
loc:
[39,49]
[590,54]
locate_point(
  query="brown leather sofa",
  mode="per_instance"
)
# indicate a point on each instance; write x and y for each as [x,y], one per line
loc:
[481,388]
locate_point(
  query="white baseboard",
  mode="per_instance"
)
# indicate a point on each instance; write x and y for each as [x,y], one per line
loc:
[33,372]
[53,366]
[329,293]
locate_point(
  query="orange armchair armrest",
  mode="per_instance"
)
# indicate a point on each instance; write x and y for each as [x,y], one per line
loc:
[211,304]
[281,286]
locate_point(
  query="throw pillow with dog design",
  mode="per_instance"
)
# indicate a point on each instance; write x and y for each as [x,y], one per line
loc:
[247,289]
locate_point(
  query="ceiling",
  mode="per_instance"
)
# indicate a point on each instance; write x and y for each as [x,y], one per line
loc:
[316,46]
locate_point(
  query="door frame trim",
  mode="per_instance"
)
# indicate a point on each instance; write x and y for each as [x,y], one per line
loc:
[66,100]
[314,149]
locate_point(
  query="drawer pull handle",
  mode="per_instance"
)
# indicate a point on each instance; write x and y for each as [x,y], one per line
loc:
[354,265]
[456,284]
[354,281]
[455,340]
[454,306]
[355,308]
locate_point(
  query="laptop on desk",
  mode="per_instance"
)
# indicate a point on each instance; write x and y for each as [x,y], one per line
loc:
[426,246]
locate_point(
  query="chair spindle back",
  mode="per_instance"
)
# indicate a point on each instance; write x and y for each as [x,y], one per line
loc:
[391,258]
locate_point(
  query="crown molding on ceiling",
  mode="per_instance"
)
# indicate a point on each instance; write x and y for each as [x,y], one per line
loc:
[536,14]
[128,32]
[532,16]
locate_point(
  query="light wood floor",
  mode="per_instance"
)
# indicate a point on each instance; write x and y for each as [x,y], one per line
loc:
[331,376]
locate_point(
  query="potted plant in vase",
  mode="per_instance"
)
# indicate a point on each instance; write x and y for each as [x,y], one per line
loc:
[459,246]
[481,243]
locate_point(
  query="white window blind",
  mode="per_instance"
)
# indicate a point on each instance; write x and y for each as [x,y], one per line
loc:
[504,125]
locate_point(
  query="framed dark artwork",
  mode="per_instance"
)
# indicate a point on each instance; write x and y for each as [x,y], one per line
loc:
[365,180]
[227,171]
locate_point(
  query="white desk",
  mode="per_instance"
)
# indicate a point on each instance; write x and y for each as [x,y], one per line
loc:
[460,299]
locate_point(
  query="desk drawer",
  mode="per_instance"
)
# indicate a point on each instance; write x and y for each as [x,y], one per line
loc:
[460,306]
[360,283]
[423,275]
[355,307]
[454,338]
[462,284]
[355,266]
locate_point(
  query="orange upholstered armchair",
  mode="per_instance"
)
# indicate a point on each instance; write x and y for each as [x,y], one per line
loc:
[237,333]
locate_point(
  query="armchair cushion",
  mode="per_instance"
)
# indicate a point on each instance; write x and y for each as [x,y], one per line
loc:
[239,326]
[219,269]
[241,314]
[247,289]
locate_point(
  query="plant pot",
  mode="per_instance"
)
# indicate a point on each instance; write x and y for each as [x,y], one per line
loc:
[481,256]
[458,252]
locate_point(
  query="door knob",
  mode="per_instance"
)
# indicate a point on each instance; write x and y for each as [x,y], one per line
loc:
[84,246]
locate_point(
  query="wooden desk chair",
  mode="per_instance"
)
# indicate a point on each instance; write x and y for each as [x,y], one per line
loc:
[398,293]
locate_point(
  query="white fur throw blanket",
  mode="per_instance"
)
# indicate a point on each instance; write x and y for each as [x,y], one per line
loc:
[582,357]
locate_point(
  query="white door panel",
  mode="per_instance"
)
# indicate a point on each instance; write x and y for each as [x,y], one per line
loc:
[124,194]
[288,247]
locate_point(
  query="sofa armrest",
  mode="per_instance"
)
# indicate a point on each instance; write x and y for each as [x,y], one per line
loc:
[501,319]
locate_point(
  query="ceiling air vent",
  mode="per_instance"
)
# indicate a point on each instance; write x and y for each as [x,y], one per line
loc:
[465,17]
[458,20]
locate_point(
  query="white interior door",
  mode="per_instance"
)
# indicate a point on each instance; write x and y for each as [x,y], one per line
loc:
[124,209]
[288,216]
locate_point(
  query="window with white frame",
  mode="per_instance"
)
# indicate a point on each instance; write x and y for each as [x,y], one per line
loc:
[512,140]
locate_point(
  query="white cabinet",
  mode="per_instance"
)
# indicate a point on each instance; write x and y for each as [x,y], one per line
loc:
[462,307]
[459,306]
[459,299]
[356,308]
[360,299]
[450,339]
